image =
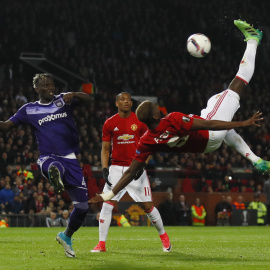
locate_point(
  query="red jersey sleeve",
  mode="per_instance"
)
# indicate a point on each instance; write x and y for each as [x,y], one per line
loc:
[106,133]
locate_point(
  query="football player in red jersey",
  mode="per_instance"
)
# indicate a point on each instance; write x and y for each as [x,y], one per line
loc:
[120,136]
[178,132]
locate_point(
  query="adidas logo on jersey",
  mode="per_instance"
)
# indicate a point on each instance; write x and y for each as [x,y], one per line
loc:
[116,129]
[52,117]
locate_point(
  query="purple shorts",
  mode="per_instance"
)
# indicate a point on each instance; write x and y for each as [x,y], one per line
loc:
[71,174]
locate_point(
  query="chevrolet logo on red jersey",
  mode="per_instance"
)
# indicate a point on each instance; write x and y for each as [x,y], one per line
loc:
[125,137]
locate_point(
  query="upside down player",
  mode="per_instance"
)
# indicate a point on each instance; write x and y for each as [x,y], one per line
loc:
[178,132]
[56,132]
[121,134]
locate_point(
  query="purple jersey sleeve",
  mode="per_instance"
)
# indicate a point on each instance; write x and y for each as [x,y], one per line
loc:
[20,117]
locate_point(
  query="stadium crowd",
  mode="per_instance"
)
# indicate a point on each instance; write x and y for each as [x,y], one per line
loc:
[134,46]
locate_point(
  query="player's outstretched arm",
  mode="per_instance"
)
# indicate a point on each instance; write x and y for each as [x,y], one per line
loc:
[126,178]
[200,124]
[84,98]
[6,126]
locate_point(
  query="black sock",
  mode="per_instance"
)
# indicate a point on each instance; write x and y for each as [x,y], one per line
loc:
[68,232]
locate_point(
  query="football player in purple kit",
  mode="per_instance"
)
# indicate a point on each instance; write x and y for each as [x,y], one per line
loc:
[58,141]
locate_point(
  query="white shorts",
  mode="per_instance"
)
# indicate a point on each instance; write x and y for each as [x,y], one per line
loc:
[221,106]
[139,190]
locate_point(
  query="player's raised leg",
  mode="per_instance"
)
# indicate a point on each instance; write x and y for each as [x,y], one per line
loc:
[253,38]
[53,170]
[235,141]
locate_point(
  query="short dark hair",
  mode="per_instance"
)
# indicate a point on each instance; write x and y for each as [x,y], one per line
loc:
[40,77]
[120,94]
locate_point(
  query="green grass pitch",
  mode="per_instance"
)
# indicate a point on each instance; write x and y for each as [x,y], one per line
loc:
[211,248]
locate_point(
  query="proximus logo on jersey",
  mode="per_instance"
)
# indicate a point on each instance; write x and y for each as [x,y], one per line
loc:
[52,117]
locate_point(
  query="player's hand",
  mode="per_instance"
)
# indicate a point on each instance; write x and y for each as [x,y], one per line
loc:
[140,172]
[105,173]
[96,199]
[253,121]
[68,97]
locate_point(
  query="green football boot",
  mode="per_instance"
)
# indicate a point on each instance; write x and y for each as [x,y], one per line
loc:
[249,31]
[262,166]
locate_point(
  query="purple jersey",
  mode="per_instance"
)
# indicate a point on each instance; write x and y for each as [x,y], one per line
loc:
[53,125]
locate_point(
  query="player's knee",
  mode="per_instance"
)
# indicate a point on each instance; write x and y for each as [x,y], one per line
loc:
[82,206]
[147,206]
[238,86]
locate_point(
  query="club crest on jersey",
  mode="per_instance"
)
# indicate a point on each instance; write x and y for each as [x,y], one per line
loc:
[58,103]
[134,127]
[185,119]
[125,137]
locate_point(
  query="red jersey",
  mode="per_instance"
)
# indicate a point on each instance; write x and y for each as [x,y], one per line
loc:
[173,134]
[124,135]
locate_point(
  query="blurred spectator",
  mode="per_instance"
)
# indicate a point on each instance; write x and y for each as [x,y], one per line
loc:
[123,220]
[219,186]
[198,213]
[6,196]
[25,173]
[201,185]
[2,183]
[223,211]
[28,188]
[260,207]
[4,222]
[15,206]
[251,185]
[64,219]
[53,221]
[167,210]
[236,186]
[259,189]
[18,187]
[39,203]
[226,183]
[239,203]
[51,194]
[183,212]
[61,207]
[209,189]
